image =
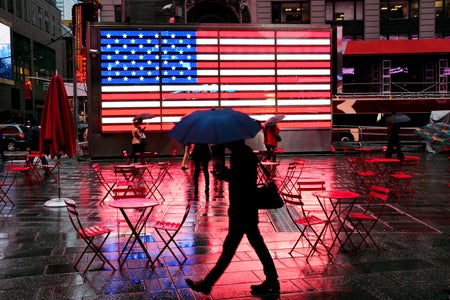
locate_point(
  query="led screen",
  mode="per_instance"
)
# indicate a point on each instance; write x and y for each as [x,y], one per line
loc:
[170,73]
[5,52]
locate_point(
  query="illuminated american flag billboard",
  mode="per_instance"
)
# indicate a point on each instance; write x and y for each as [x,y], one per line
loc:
[170,73]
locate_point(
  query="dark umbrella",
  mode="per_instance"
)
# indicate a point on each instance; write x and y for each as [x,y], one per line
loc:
[398,118]
[215,126]
[58,134]
[143,116]
[274,120]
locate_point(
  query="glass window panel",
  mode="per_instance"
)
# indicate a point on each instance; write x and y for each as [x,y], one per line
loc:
[329,15]
[344,11]
[359,10]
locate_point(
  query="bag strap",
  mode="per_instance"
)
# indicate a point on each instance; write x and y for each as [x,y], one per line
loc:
[266,172]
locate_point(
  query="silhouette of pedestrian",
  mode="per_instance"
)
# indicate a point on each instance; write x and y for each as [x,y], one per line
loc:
[393,142]
[201,155]
[243,220]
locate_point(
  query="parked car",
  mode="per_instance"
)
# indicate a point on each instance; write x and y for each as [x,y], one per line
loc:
[15,136]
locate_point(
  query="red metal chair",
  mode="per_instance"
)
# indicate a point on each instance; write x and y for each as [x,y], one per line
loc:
[5,186]
[304,220]
[400,182]
[88,234]
[363,222]
[167,230]
[109,185]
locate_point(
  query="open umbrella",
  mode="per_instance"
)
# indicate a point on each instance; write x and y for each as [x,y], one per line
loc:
[273,120]
[398,118]
[143,116]
[437,133]
[215,126]
[58,134]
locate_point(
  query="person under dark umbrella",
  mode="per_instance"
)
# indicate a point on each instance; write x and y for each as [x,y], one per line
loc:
[201,155]
[393,129]
[243,220]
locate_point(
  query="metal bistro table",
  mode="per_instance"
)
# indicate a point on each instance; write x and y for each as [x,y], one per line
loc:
[382,166]
[145,206]
[336,206]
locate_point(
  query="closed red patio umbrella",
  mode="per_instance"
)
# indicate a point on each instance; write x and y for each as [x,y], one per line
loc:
[58,134]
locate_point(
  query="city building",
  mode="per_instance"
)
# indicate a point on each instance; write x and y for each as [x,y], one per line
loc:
[32,50]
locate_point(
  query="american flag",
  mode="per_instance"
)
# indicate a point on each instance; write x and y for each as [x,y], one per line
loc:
[170,73]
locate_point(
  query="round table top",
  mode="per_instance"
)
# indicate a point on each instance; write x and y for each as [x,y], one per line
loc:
[383,160]
[133,203]
[338,194]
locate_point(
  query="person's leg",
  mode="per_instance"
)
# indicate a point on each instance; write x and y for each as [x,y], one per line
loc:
[230,245]
[257,242]
[205,167]
[185,157]
[197,164]
[389,149]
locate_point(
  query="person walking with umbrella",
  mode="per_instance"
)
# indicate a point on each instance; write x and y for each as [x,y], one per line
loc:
[243,220]
[201,155]
[271,139]
[136,143]
[393,129]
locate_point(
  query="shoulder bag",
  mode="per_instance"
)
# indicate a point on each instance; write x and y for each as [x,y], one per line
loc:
[267,196]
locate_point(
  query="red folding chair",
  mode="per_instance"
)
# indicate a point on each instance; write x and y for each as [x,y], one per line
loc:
[400,182]
[154,184]
[109,185]
[287,183]
[88,234]
[363,222]
[167,230]
[304,220]
[5,186]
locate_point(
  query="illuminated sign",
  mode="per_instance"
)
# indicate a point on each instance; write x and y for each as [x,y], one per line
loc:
[170,73]
[5,54]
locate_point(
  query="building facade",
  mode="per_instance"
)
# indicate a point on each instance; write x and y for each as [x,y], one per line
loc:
[36,43]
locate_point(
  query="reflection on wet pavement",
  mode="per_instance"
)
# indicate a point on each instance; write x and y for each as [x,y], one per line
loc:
[38,246]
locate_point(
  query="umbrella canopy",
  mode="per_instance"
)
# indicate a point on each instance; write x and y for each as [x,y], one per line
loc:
[438,133]
[57,124]
[398,118]
[274,120]
[143,116]
[215,126]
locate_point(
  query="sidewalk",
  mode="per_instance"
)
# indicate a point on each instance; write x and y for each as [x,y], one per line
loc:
[38,245]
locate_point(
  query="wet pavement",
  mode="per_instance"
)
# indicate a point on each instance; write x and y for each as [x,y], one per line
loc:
[38,245]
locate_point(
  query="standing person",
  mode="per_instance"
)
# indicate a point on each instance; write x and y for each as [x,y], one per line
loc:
[187,152]
[136,144]
[243,219]
[201,155]
[271,138]
[393,129]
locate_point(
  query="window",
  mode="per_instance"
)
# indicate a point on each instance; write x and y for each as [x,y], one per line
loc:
[10,4]
[442,9]
[26,10]
[344,10]
[399,9]
[19,8]
[291,12]
[118,13]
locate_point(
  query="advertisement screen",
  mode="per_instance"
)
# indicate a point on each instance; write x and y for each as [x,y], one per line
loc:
[170,73]
[5,53]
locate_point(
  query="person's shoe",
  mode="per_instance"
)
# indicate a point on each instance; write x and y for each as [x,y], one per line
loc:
[267,287]
[199,286]
[183,168]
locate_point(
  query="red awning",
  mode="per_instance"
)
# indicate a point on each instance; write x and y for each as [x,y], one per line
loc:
[424,46]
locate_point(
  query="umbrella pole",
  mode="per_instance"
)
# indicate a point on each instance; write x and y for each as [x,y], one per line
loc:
[57,202]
